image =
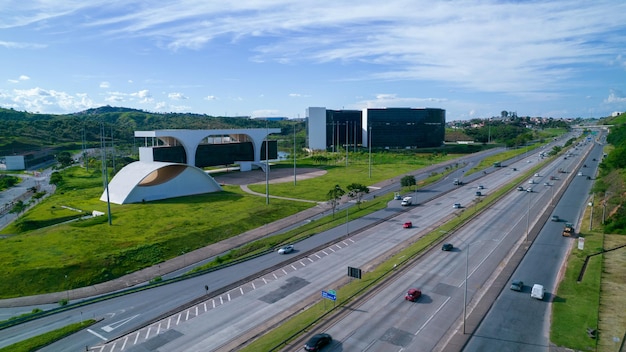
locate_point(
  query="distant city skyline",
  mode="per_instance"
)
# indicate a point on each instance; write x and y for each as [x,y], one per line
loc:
[474,59]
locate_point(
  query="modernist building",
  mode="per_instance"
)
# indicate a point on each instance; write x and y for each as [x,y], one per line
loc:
[394,128]
[170,162]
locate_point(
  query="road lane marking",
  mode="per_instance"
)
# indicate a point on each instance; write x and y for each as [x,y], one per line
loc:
[98,335]
[432,316]
[117,324]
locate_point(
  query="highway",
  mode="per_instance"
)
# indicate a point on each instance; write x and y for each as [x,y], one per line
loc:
[219,323]
[389,323]
[516,322]
[261,301]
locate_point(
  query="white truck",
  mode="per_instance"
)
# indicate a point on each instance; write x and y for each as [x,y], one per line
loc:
[406,201]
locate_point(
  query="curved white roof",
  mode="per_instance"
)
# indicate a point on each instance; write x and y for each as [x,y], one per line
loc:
[148,181]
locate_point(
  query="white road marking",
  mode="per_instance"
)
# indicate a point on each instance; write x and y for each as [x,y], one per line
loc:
[98,335]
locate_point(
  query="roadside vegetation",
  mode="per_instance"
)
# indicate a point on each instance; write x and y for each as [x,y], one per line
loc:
[43,340]
[588,315]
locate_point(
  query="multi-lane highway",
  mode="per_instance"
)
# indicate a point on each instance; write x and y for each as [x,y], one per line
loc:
[222,320]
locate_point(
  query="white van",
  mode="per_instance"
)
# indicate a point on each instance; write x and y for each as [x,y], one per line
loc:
[406,201]
[537,292]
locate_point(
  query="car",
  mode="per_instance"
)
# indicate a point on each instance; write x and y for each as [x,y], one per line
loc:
[552,178]
[286,249]
[478,194]
[520,188]
[537,292]
[537,175]
[457,206]
[447,247]
[517,285]
[580,173]
[317,342]
[481,187]
[546,184]
[514,169]
[407,225]
[413,294]
[529,190]
[554,218]
[531,182]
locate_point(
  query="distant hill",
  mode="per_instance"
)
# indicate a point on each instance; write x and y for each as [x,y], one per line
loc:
[24,132]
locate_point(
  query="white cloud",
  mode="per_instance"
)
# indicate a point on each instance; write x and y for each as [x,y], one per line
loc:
[615,96]
[19,79]
[24,78]
[210,97]
[16,45]
[105,84]
[51,101]
[177,96]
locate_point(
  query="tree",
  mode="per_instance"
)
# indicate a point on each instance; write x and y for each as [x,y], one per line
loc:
[408,181]
[56,178]
[333,196]
[356,191]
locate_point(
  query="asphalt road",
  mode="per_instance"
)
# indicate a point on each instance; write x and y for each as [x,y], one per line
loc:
[517,322]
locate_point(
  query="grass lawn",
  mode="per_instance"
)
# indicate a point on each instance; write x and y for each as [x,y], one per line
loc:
[598,300]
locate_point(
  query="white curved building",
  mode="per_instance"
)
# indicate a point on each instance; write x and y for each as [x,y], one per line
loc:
[149,179]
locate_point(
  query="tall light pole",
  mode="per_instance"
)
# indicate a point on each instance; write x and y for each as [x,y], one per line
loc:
[465,294]
[267,164]
[528,216]
[369,141]
[294,151]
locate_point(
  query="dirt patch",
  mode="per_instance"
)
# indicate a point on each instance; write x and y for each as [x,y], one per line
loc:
[275,176]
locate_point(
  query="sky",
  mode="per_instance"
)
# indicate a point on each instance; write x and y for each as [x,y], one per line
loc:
[275,58]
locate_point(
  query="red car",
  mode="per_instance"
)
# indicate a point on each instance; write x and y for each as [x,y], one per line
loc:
[413,295]
[407,225]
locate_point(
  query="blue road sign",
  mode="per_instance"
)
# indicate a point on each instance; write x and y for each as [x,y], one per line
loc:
[328,295]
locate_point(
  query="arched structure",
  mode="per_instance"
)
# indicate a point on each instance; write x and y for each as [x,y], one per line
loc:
[152,179]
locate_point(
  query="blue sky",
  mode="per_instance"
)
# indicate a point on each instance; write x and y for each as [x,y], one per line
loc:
[276,58]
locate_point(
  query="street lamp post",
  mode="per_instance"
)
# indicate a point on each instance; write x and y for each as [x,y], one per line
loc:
[528,217]
[369,141]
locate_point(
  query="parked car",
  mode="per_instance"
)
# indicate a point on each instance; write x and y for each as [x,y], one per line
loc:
[286,249]
[447,247]
[317,342]
[457,206]
[407,225]
[517,285]
[413,295]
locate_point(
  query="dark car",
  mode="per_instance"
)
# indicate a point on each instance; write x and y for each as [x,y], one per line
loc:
[517,285]
[318,341]
[447,247]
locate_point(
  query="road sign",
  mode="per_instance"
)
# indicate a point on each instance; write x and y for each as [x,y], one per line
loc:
[354,272]
[328,295]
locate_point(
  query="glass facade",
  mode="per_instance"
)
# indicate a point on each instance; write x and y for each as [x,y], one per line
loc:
[343,127]
[403,128]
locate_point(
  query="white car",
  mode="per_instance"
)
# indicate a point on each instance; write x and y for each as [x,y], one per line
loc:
[457,206]
[286,249]
[580,173]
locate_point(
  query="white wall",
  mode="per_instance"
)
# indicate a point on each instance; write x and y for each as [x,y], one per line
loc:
[316,127]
